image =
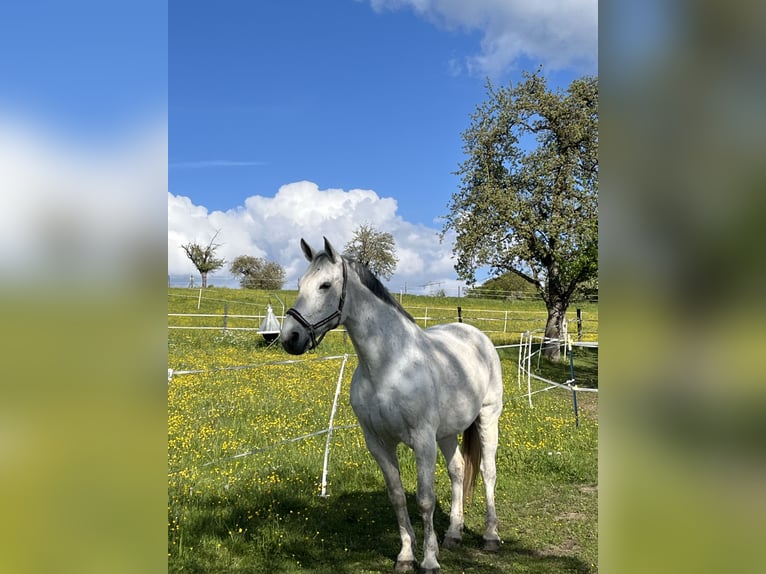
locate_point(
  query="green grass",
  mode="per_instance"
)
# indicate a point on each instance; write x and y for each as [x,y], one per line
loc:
[263,512]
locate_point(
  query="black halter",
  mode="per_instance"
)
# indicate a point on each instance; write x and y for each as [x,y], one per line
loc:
[335,314]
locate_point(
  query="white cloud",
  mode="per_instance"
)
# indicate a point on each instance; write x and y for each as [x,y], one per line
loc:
[78,212]
[271,227]
[556,33]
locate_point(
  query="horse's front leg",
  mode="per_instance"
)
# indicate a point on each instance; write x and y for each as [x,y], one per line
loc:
[385,455]
[425,459]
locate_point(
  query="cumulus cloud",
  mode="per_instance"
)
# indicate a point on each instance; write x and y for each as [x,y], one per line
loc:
[556,33]
[271,227]
[77,211]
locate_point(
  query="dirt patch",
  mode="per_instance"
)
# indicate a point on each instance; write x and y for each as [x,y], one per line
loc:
[587,405]
[588,489]
[567,547]
[571,516]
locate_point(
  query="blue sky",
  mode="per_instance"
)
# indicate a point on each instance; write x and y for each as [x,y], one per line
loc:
[83,68]
[265,121]
[331,92]
[324,98]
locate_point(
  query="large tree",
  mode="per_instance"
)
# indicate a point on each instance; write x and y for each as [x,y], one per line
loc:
[528,202]
[375,249]
[203,257]
[257,273]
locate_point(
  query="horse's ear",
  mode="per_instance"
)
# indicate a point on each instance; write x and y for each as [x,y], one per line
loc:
[330,250]
[307,250]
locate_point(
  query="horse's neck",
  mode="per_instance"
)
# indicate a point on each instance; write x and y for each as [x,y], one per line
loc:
[376,328]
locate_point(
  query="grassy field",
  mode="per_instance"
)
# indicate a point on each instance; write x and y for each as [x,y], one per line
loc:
[262,512]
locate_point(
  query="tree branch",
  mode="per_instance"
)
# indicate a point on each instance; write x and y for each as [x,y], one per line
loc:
[526,277]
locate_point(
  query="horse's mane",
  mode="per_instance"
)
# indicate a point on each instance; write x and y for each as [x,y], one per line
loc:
[378,289]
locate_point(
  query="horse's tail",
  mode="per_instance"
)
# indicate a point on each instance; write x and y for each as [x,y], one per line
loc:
[471,459]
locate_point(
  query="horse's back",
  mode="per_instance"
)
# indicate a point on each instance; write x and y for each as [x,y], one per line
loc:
[465,341]
[460,330]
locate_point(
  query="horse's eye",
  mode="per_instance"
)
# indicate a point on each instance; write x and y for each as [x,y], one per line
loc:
[324,286]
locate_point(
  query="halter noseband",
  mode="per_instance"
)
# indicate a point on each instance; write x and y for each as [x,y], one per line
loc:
[337,313]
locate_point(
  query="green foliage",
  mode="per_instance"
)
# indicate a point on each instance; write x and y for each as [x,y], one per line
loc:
[257,273]
[375,249]
[528,202]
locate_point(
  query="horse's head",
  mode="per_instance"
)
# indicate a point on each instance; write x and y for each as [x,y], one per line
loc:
[319,306]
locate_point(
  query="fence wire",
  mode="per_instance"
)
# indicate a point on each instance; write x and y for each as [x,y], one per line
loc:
[525,343]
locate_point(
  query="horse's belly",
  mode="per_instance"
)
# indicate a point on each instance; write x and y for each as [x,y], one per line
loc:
[403,420]
[394,416]
[456,417]
[441,395]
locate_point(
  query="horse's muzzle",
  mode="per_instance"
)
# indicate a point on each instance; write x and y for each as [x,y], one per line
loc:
[295,338]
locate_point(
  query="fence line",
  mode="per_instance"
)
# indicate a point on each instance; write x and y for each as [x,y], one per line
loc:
[265,448]
[216,315]
[525,366]
[195,328]
[525,358]
[522,345]
[235,301]
[428,316]
[172,373]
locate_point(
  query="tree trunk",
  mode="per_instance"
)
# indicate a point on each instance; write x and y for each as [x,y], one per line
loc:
[204,279]
[552,345]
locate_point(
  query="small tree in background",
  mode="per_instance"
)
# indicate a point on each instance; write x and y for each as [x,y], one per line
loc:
[375,249]
[204,257]
[257,273]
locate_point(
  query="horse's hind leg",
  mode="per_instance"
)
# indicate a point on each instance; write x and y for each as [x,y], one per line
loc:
[453,456]
[488,432]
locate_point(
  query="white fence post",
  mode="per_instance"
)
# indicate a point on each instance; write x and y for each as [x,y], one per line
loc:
[323,493]
[521,354]
[529,370]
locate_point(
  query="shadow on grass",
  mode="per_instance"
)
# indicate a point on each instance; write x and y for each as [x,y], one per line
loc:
[586,366]
[350,532]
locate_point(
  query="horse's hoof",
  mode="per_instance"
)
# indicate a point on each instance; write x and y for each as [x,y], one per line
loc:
[451,542]
[491,545]
[430,570]
[405,566]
